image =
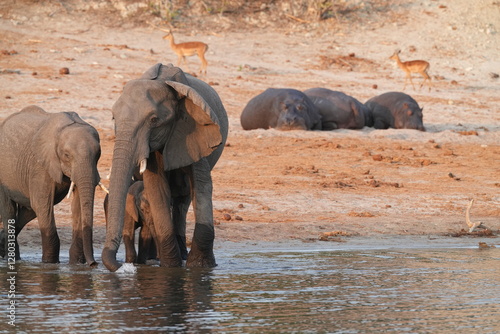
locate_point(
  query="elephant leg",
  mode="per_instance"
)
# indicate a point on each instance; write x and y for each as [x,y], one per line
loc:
[202,254]
[129,226]
[158,194]
[43,205]
[145,243]
[8,212]
[181,199]
[24,216]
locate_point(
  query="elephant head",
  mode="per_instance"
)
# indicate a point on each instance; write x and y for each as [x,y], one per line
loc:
[160,112]
[68,149]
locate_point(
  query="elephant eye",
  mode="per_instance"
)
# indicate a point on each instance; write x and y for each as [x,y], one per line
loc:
[154,120]
[300,107]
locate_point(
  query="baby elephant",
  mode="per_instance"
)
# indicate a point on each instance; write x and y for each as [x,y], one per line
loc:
[338,110]
[281,108]
[395,110]
[137,215]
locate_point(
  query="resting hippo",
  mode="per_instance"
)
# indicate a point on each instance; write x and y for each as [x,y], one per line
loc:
[281,108]
[395,110]
[338,110]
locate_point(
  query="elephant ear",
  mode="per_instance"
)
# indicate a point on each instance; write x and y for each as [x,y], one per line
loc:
[196,133]
[45,141]
[165,72]
[131,207]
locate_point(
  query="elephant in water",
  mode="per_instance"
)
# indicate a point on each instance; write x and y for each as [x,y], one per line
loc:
[41,156]
[173,127]
[282,109]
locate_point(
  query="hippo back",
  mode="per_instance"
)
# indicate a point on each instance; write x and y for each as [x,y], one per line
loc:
[338,110]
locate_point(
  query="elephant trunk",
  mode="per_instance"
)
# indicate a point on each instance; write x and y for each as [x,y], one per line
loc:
[86,183]
[121,175]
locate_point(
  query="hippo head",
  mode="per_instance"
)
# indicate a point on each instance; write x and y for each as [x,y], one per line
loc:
[409,117]
[296,113]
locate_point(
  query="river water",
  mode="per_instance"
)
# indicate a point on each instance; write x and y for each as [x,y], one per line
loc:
[259,288]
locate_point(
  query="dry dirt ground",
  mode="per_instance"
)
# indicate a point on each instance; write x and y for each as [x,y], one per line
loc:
[272,185]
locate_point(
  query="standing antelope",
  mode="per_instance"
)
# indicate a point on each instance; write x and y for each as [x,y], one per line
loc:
[413,66]
[188,49]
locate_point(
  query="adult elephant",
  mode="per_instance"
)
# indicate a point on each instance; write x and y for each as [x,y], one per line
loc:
[41,155]
[173,127]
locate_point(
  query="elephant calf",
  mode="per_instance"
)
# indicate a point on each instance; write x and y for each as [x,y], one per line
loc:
[137,215]
[41,155]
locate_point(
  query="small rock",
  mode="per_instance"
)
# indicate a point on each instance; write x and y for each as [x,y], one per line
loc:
[426,162]
[373,183]
[227,216]
[240,206]
[238,218]
[64,70]
[377,157]
[484,245]
[374,86]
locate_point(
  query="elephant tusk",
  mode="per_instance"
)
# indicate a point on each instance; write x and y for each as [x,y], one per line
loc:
[70,189]
[143,165]
[109,174]
[103,187]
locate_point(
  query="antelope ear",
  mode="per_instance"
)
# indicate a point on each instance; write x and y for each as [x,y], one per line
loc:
[46,140]
[196,133]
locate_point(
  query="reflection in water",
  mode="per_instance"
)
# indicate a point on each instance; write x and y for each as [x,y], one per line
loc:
[454,290]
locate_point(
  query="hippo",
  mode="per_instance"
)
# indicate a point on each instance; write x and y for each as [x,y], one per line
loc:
[395,110]
[338,110]
[282,109]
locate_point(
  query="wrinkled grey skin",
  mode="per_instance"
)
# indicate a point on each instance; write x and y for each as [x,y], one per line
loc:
[40,154]
[338,110]
[282,109]
[177,123]
[395,110]
[137,215]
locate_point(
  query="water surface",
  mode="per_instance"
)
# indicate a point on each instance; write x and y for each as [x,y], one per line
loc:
[295,289]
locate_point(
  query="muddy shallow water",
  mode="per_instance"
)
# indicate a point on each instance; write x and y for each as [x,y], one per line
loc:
[258,287]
